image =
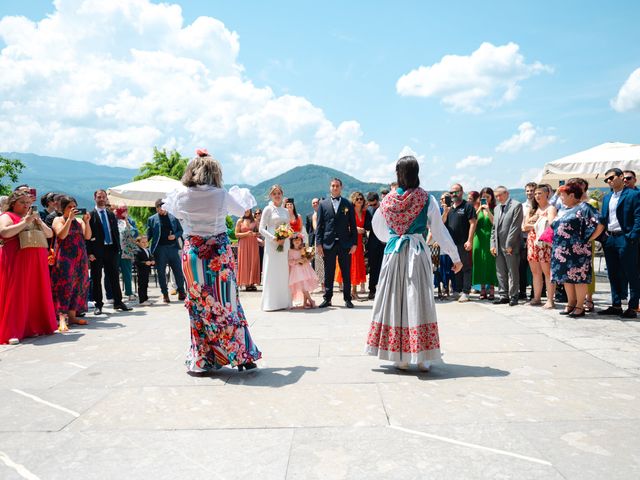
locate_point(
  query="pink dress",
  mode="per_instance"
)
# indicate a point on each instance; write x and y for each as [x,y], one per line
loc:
[26,303]
[301,277]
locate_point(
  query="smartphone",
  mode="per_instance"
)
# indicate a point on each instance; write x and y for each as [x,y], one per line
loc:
[81,211]
[34,209]
[561,183]
[447,201]
[483,201]
[32,192]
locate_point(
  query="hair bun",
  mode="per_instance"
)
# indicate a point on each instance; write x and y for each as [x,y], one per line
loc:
[202,152]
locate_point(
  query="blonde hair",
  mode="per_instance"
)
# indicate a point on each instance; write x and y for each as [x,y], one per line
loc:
[203,170]
[274,188]
[14,197]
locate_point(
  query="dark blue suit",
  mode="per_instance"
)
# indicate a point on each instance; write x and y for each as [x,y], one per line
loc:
[336,232]
[375,251]
[166,254]
[621,249]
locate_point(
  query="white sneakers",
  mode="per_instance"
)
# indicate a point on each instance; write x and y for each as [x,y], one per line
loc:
[463,298]
[14,341]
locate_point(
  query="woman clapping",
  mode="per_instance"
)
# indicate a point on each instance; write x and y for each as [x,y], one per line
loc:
[26,307]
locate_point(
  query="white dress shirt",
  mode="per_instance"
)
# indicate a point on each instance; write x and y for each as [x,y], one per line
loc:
[614,224]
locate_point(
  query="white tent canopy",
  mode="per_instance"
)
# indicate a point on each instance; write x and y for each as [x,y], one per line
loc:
[142,193]
[591,164]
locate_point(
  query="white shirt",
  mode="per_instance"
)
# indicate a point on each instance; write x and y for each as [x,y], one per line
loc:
[614,224]
[202,210]
[100,210]
[336,203]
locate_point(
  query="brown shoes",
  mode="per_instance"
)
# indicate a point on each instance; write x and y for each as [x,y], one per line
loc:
[166,299]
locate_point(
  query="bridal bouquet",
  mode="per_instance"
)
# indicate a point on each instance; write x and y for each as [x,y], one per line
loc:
[283,232]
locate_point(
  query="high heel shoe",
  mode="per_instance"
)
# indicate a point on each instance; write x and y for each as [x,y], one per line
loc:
[589,306]
[247,366]
[568,312]
[577,315]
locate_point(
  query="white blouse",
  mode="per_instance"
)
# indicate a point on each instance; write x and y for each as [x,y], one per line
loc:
[202,210]
[272,218]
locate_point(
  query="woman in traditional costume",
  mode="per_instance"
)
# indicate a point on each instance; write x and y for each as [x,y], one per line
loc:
[404,327]
[219,330]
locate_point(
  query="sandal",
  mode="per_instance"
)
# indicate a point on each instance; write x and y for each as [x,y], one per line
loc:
[589,306]
[568,309]
[79,321]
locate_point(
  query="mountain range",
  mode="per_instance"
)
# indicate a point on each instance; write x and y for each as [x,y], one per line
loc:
[81,179]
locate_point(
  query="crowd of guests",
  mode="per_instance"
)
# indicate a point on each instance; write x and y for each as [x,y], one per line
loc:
[553,233]
[69,256]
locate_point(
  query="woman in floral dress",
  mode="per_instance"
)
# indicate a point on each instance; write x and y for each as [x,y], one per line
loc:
[219,330]
[571,250]
[70,272]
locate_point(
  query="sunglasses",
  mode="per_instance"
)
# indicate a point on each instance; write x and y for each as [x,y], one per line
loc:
[454,193]
[629,178]
[609,178]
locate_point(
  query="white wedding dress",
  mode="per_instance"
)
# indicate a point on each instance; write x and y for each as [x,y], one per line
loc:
[275,269]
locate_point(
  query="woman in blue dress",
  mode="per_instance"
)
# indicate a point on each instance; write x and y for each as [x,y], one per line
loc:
[404,326]
[573,232]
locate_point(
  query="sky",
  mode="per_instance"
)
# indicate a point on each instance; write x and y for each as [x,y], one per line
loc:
[482,93]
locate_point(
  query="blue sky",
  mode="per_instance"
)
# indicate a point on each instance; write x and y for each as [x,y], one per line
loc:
[341,62]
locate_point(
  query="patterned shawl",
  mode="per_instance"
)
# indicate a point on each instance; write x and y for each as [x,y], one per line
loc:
[401,210]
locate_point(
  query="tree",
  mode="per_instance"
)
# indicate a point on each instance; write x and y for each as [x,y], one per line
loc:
[10,168]
[169,164]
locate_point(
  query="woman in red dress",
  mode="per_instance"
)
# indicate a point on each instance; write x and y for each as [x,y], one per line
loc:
[295,219]
[26,304]
[358,267]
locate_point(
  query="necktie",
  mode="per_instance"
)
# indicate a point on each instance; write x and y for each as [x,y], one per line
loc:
[105,227]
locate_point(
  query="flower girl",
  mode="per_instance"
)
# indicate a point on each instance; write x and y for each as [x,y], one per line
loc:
[302,277]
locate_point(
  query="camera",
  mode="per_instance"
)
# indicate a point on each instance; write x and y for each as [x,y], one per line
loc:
[81,211]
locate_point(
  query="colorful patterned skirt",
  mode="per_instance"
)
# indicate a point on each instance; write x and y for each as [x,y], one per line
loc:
[219,332]
[404,326]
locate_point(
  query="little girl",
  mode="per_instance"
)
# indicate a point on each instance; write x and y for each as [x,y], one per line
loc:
[302,278]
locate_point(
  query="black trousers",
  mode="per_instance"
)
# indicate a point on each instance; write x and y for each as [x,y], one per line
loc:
[523,268]
[109,263]
[143,282]
[375,264]
[344,259]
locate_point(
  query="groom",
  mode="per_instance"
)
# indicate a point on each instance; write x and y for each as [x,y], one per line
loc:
[336,237]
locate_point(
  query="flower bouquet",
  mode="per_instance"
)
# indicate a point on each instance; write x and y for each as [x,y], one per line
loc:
[309,253]
[283,232]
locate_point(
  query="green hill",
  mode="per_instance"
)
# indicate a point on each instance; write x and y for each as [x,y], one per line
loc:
[309,181]
[78,178]
[81,179]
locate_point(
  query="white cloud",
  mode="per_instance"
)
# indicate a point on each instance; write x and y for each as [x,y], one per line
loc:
[106,81]
[528,136]
[530,175]
[473,161]
[628,97]
[487,78]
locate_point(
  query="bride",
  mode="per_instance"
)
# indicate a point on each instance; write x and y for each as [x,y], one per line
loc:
[275,280]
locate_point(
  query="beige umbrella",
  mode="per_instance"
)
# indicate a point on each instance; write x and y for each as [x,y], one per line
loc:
[142,193]
[591,164]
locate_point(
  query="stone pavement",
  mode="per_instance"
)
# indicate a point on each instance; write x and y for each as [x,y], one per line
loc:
[523,393]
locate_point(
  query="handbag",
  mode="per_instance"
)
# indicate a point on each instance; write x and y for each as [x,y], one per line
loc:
[32,237]
[547,236]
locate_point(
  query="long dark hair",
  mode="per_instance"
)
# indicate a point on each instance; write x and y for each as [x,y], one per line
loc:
[407,170]
[290,200]
[492,196]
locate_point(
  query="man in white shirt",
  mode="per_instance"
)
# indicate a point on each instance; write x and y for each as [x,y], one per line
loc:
[621,216]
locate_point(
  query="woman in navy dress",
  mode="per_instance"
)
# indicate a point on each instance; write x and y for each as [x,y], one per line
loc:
[573,232]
